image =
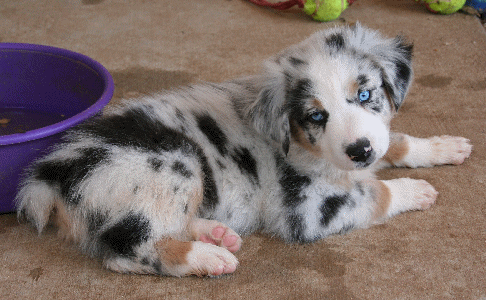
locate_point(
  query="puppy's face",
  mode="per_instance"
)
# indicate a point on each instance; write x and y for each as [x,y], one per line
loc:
[339,110]
[334,95]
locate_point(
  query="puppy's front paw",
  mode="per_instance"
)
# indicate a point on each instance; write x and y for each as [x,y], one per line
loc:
[424,194]
[410,194]
[449,150]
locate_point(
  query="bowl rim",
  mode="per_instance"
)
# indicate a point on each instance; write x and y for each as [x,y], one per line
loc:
[76,119]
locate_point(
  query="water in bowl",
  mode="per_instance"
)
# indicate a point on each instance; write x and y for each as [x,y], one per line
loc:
[20,120]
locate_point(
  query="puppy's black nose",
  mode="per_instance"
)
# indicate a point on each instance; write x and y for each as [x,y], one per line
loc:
[360,151]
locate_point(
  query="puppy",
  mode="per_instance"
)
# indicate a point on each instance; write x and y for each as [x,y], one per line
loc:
[167,183]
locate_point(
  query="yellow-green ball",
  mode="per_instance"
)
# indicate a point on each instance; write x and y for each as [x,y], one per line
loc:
[327,10]
[444,7]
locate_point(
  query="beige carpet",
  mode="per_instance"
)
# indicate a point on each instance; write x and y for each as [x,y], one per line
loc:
[149,45]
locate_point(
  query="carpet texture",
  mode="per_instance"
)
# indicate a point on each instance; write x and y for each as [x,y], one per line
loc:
[150,45]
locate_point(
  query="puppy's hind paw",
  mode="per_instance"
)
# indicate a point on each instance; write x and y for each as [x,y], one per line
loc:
[211,260]
[216,233]
[223,237]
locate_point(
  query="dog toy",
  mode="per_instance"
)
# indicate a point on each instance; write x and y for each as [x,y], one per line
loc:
[320,10]
[443,7]
[479,5]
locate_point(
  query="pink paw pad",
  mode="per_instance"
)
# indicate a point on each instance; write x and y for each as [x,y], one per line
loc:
[221,237]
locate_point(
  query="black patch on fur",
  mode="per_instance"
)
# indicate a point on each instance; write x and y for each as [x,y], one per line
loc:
[405,47]
[300,91]
[362,80]
[214,134]
[335,41]
[286,143]
[145,261]
[295,101]
[68,173]
[297,228]
[296,97]
[95,220]
[306,122]
[311,139]
[186,208]
[246,163]
[138,128]
[157,266]
[266,98]
[360,188]
[391,92]
[346,228]
[292,184]
[180,168]
[377,107]
[220,164]
[74,199]
[180,115]
[375,103]
[403,74]
[23,217]
[136,189]
[297,62]
[126,234]
[330,207]
[155,163]
[210,192]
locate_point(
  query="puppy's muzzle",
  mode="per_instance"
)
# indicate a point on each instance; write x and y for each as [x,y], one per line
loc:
[361,153]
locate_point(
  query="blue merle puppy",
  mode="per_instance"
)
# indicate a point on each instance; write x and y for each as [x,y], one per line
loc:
[167,183]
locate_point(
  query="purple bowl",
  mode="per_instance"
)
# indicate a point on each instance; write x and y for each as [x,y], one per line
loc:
[43,91]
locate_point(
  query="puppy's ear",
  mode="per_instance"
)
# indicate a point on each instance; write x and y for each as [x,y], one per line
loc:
[393,57]
[268,113]
[397,71]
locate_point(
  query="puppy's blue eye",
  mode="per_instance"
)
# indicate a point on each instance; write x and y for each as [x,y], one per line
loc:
[364,96]
[317,116]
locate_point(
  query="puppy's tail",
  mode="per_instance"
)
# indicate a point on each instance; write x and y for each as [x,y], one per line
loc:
[35,201]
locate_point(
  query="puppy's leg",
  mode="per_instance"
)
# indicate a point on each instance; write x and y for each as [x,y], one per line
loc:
[216,233]
[367,203]
[171,257]
[408,151]
[180,258]
[395,196]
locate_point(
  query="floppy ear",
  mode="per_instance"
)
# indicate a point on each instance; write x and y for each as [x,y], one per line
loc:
[268,113]
[397,71]
[393,57]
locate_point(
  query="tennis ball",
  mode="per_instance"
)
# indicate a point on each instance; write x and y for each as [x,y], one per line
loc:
[325,10]
[444,7]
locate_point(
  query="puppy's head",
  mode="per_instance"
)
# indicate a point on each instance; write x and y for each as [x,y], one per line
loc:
[334,94]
